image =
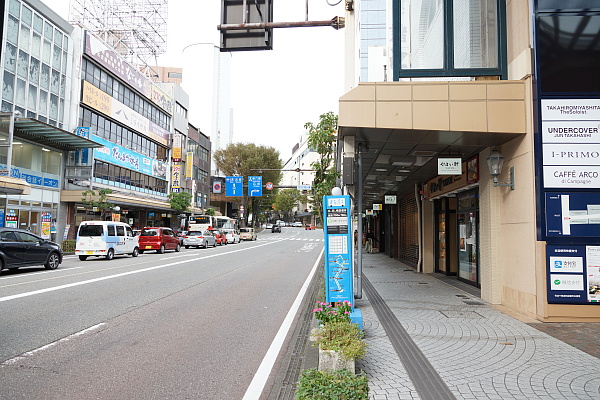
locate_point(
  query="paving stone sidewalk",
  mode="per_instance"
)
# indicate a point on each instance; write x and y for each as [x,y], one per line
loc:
[478,351]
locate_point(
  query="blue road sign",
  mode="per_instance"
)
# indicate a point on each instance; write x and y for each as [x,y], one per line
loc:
[255,186]
[234,186]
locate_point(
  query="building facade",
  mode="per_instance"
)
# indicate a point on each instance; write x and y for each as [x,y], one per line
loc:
[35,137]
[474,83]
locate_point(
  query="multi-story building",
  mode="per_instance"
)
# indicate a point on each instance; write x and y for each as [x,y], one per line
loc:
[35,133]
[471,85]
[298,172]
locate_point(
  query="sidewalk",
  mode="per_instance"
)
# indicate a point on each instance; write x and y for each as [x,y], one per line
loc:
[432,337]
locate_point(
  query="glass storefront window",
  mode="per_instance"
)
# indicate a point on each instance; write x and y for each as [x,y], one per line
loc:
[468,236]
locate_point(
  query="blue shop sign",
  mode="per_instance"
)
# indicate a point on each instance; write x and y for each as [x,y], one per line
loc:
[118,155]
[33,177]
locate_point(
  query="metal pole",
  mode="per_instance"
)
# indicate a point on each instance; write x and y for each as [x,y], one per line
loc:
[11,130]
[336,23]
[358,293]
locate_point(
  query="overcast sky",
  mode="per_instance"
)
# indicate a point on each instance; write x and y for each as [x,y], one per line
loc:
[273,93]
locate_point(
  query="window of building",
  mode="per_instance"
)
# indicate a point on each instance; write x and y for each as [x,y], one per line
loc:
[568,46]
[451,38]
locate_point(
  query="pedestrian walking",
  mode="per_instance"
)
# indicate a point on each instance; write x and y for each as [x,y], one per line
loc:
[370,239]
[355,237]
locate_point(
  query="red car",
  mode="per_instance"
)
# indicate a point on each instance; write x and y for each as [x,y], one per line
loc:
[159,239]
[309,227]
[219,236]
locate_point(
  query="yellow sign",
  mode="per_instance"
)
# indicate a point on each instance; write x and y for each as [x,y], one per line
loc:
[96,98]
[377,207]
[189,165]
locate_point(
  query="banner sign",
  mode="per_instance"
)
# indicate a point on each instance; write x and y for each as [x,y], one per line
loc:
[107,105]
[176,150]
[32,177]
[571,143]
[338,249]
[119,155]
[111,60]
[573,274]
[189,166]
[176,178]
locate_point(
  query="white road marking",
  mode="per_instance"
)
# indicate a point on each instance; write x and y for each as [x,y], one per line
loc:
[266,366]
[14,360]
[104,278]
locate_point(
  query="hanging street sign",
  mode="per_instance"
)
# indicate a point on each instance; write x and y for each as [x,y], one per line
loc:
[255,186]
[233,186]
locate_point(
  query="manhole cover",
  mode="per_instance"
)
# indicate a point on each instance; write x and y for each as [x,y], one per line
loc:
[461,314]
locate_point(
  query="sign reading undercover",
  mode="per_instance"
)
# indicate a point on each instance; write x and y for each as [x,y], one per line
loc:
[256,11]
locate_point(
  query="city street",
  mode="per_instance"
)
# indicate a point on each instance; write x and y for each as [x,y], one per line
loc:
[194,324]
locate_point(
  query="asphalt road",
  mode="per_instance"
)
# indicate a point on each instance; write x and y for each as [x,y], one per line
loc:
[189,325]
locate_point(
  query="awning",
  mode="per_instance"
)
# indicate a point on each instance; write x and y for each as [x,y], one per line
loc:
[47,135]
[9,185]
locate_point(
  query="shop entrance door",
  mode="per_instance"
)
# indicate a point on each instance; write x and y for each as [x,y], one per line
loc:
[29,221]
[468,246]
[467,217]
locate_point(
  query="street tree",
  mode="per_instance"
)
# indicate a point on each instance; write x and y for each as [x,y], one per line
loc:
[286,200]
[97,200]
[249,159]
[180,202]
[322,137]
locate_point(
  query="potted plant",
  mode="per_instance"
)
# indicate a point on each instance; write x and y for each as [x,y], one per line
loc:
[340,342]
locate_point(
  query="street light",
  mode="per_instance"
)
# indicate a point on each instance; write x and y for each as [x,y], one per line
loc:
[495,162]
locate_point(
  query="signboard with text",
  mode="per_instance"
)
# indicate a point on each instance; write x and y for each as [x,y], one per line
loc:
[338,249]
[573,274]
[234,186]
[255,186]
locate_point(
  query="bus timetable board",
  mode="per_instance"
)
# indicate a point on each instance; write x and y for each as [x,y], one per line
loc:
[338,249]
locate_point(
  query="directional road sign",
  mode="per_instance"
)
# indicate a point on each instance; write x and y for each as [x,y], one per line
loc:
[255,186]
[233,186]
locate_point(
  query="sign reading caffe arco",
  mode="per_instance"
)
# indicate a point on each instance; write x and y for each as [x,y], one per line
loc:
[443,184]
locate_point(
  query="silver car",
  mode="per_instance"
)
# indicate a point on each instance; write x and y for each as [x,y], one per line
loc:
[199,239]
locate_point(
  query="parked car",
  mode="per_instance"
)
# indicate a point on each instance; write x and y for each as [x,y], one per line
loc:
[269,226]
[247,234]
[159,239]
[19,248]
[219,237]
[276,228]
[199,239]
[298,224]
[309,227]
[232,235]
[105,239]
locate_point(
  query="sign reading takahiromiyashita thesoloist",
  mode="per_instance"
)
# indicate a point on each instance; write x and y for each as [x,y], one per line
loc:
[571,143]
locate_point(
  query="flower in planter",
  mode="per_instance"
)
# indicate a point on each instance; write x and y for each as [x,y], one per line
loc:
[327,312]
[342,337]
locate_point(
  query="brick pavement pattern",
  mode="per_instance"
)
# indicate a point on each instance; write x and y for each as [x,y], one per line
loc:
[479,352]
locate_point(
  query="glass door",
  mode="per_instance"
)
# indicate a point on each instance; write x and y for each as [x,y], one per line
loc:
[468,246]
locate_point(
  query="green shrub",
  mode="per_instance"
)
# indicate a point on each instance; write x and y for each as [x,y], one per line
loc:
[332,385]
[343,337]
[68,246]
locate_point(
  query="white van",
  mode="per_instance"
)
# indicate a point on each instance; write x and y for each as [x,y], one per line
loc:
[105,239]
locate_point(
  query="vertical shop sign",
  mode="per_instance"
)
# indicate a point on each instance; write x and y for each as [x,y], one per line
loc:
[11,219]
[176,148]
[46,221]
[176,178]
[189,166]
[338,249]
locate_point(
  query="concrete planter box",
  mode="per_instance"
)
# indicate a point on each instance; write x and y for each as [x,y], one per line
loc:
[332,360]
